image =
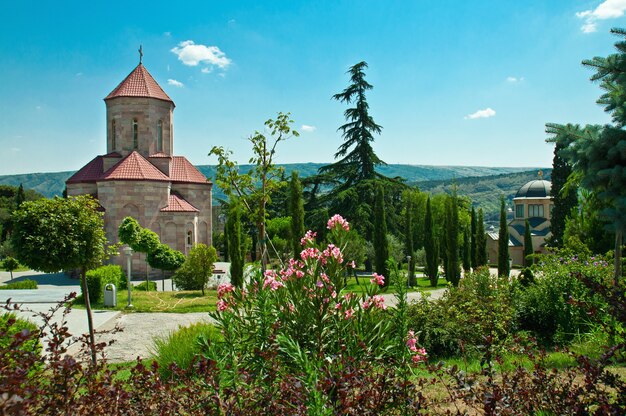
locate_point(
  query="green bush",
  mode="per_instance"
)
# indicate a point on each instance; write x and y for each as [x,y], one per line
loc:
[182,346]
[142,286]
[98,278]
[22,284]
[11,325]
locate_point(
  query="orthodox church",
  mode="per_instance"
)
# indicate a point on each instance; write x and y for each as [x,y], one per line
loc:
[140,177]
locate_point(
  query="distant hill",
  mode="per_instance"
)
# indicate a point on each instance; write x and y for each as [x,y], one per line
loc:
[483,185]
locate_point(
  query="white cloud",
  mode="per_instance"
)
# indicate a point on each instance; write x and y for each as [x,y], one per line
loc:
[206,70]
[515,79]
[608,9]
[175,83]
[486,113]
[191,54]
[308,128]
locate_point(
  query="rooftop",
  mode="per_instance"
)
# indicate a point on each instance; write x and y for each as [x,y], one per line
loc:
[139,83]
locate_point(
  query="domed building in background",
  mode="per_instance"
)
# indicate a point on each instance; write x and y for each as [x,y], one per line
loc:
[532,202]
[140,177]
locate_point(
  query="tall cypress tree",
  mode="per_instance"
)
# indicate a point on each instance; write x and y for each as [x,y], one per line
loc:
[233,224]
[481,240]
[430,246]
[296,210]
[381,245]
[20,196]
[528,245]
[408,238]
[473,230]
[467,251]
[452,240]
[564,200]
[504,268]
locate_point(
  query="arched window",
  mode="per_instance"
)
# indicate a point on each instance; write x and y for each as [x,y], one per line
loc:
[160,136]
[189,238]
[113,132]
[135,134]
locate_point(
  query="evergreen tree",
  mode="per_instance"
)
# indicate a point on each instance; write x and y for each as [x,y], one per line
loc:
[473,231]
[408,236]
[296,210]
[528,245]
[481,240]
[452,240]
[430,247]
[504,267]
[20,196]
[235,243]
[358,159]
[564,199]
[467,251]
[381,245]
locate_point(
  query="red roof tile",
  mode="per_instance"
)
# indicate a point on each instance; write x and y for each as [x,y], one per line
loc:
[112,154]
[183,171]
[139,83]
[134,167]
[176,203]
[91,172]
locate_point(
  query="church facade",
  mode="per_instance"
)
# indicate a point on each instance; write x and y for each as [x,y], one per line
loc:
[140,177]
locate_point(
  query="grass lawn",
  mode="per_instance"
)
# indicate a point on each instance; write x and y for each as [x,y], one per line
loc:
[174,302]
[423,284]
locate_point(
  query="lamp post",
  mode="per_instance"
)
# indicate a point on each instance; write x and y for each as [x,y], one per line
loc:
[409,278]
[129,253]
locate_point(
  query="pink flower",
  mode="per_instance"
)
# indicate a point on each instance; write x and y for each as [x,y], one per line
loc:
[419,353]
[271,280]
[319,284]
[338,220]
[222,305]
[352,264]
[377,279]
[366,304]
[379,302]
[349,313]
[309,253]
[299,274]
[309,238]
[337,306]
[223,289]
[333,251]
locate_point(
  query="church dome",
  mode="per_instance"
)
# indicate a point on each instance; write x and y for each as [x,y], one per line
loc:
[535,189]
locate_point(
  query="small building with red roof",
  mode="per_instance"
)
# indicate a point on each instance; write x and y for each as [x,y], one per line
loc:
[140,177]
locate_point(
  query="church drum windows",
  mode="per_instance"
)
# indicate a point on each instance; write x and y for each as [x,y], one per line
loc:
[135,134]
[159,136]
[113,133]
[535,210]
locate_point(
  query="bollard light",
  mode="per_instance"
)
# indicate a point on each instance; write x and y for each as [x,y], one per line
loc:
[128,252]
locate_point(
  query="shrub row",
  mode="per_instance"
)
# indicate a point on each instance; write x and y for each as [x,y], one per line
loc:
[22,284]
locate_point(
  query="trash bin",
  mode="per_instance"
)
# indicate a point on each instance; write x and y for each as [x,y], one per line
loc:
[110,295]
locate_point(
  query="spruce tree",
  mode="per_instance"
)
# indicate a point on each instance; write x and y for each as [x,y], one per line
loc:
[296,210]
[430,247]
[528,245]
[504,267]
[452,240]
[481,240]
[473,230]
[408,236]
[235,242]
[564,199]
[381,245]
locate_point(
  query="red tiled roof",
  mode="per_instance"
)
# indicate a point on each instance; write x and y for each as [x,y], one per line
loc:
[134,167]
[88,173]
[183,171]
[139,83]
[176,203]
[112,154]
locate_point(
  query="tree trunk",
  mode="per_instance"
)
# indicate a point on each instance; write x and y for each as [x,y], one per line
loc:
[163,280]
[618,257]
[92,341]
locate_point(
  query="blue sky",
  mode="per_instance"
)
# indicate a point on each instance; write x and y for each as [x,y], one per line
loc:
[455,82]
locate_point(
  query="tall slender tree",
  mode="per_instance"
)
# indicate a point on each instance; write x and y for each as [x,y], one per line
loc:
[504,267]
[430,247]
[473,231]
[234,233]
[453,271]
[296,210]
[408,236]
[481,240]
[564,198]
[467,251]
[528,245]
[381,245]
[20,196]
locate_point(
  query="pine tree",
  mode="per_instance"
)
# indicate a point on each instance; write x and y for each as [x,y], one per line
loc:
[452,240]
[381,245]
[234,233]
[564,199]
[296,210]
[504,267]
[430,246]
[473,231]
[481,240]
[528,245]
[408,237]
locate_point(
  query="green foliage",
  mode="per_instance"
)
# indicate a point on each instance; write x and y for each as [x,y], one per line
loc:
[198,267]
[129,231]
[235,243]
[474,239]
[163,257]
[467,250]
[182,346]
[409,247]
[279,233]
[296,211]
[22,284]
[10,264]
[102,276]
[451,264]
[564,196]
[481,241]
[380,242]
[431,247]
[504,267]
[528,245]
[147,241]
[10,326]
[146,287]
